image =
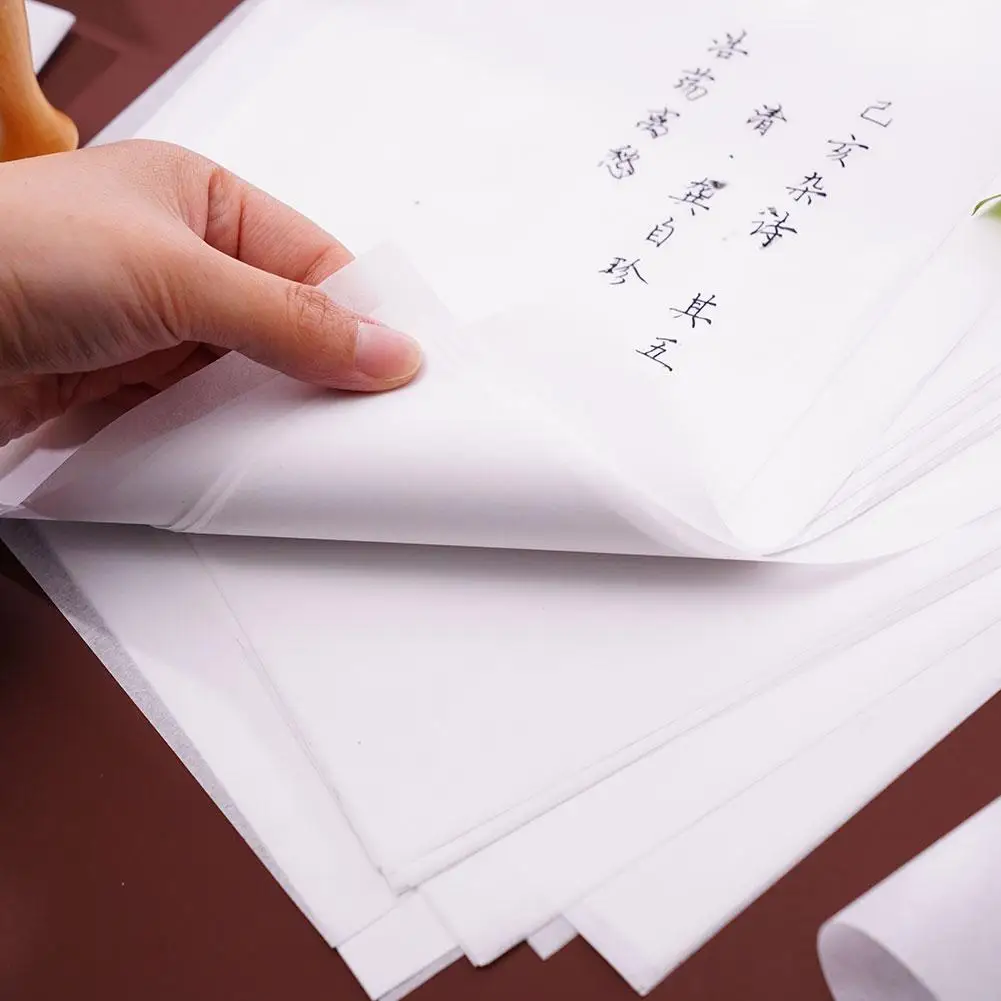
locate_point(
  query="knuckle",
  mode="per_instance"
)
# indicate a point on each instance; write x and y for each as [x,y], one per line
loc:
[158,150]
[312,313]
[141,157]
[168,174]
[332,258]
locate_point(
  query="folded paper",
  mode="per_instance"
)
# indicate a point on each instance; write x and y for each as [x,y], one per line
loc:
[712,395]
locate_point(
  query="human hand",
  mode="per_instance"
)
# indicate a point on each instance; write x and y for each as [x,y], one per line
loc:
[124,268]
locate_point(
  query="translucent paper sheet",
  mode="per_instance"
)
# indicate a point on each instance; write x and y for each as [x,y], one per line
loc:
[929,931]
[237,449]
[542,420]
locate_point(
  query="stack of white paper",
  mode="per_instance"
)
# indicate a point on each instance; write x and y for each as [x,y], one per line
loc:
[697,283]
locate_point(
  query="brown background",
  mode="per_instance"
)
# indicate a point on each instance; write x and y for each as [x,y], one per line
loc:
[120,880]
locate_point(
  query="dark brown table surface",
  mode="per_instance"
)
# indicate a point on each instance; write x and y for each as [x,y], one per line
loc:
[119,879]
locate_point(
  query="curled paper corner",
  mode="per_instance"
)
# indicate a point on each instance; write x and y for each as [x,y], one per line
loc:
[993,200]
[930,931]
[856,967]
[384,275]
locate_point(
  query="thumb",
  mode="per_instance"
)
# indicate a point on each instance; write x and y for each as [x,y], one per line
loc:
[293,328]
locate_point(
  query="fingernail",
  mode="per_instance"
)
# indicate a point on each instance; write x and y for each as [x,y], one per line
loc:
[385,354]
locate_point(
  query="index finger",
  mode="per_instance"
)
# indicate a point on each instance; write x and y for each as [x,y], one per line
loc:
[252,226]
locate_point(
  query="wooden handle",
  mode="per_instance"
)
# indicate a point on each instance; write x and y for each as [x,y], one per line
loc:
[29,125]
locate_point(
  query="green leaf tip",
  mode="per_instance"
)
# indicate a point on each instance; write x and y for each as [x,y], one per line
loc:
[985,201]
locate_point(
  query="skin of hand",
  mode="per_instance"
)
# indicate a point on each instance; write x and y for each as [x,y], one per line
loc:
[124,268]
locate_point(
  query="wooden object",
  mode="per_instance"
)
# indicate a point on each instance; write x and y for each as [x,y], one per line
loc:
[29,125]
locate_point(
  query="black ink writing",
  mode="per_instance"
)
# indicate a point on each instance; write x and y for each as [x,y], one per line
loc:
[656,122]
[661,233]
[699,194]
[657,350]
[622,270]
[729,47]
[771,226]
[876,113]
[765,117]
[812,186]
[842,149]
[621,162]
[693,84]
[694,309]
